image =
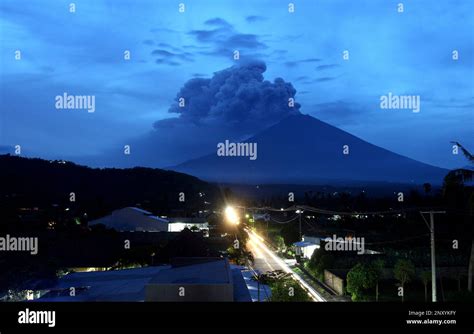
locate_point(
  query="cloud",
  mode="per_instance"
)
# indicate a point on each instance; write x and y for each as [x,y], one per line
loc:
[295,63]
[323,79]
[218,22]
[237,96]
[249,41]
[167,62]
[205,36]
[326,67]
[302,78]
[223,39]
[171,58]
[234,103]
[254,18]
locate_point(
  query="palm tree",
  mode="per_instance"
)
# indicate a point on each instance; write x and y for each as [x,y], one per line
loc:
[455,179]
[425,277]
[404,271]
[460,175]
[378,266]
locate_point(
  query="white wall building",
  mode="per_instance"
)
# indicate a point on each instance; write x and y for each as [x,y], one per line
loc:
[306,247]
[131,219]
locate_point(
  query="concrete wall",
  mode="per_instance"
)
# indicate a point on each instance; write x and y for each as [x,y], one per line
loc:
[334,282]
[337,283]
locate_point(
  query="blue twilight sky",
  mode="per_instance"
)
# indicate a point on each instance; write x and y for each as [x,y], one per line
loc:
[81,53]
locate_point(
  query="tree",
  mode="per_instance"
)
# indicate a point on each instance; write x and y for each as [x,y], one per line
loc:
[457,178]
[240,256]
[404,271]
[290,233]
[238,252]
[280,243]
[425,277]
[427,188]
[378,266]
[320,260]
[360,278]
[288,290]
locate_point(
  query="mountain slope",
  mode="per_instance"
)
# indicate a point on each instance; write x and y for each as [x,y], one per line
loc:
[36,182]
[302,149]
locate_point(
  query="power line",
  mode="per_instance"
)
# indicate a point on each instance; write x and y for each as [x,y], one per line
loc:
[329,212]
[284,222]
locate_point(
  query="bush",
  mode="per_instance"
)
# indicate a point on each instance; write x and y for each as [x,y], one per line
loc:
[320,260]
[288,290]
[359,279]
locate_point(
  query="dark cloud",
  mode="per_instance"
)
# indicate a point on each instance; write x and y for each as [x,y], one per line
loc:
[169,46]
[167,62]
[298,62]
[302,78]
[249,41]
[218,22]
[254,18]
[326,67]
[223,39]
[228,40]
[234,104]
[148,42]
[205,36]
[171,58]
[323,79]
[238,96]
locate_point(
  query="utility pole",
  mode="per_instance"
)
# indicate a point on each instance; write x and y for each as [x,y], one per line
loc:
[433,258]
[258,283]
[299,211]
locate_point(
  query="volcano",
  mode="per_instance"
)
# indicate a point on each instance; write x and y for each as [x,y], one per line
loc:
[301,149]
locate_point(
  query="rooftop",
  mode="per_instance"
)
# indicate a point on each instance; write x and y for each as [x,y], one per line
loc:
[215,272]
[129,284]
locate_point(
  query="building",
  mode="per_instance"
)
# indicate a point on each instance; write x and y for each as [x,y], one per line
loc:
[306,247]
[132,219]
[309,244]
[185,279]
[177,224]
[195,279]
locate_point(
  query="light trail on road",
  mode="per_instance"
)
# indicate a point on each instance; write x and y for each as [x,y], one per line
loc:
[260,244]
[260,259]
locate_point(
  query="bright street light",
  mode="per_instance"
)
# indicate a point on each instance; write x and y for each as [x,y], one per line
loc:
[231,215]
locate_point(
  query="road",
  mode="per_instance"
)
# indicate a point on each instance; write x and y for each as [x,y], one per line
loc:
[267,260]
